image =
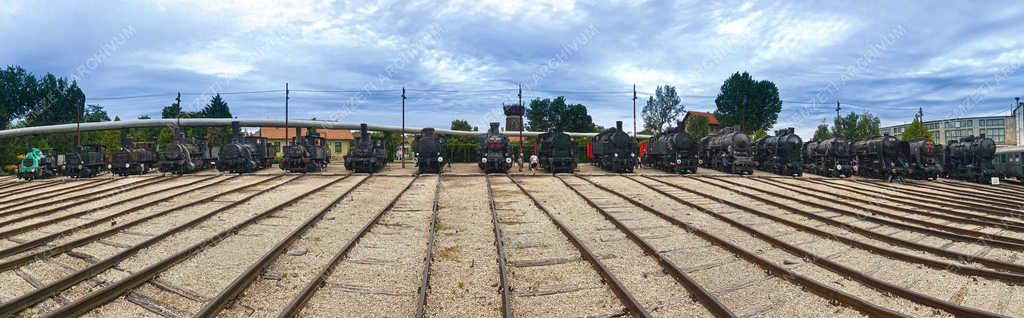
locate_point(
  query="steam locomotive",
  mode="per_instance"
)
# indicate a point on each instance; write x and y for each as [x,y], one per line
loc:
[880,157]
[306,153]
[728,150]
[923,160]
[245,153]
[556,151]
[185,154]
[86,161]
[673,150]
[494,151]
[831,157]
[614,150]
[780,154]
[40,164]
[134,158]
[368,155]
[970,159]
[430,152]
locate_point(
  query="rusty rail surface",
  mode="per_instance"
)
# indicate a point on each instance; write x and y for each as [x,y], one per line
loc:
[17,200]
[969,192]
[633,306]
[56,206]
[972,202]
[428,258]
[13,195]
[499,244]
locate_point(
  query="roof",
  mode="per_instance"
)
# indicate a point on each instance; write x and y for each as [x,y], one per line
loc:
[329,134]
[712,119]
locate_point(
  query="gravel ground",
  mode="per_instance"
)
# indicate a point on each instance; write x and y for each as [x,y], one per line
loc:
[464,274]
[381,274]
[740,285]
[12,194]
[937,283]
[640,274]
[291,272]
[530,238]
[9,214]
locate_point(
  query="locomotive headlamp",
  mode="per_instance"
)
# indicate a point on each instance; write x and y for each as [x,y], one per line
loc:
[632,154]
[440,159]
[484,160]
[679,161]
[616,155]
[508,160]
[109,166]
[839,167]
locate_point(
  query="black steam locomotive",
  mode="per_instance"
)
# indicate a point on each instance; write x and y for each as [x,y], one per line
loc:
[728,150]
[923,159]
[880,157]
[245,153]
[614,150]
[86,161]
[780,154]
[970,159]
[368,155]
[134,158]
[430,152]
[831,157]
[673,150]
[556,151]
[494,151]
[185,154]
[306,153]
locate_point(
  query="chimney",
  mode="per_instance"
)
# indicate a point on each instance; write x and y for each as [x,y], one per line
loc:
[494,128]
[428,132]
[363,131]
[618,125]
[236,132]
[298,132]
[125,141]
[179,135]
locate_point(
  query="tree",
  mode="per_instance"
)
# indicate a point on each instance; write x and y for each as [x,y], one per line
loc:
[544,114]
[217,108]
[56,102]
[697,127]
[95,113]
[662,108]
[822,133]
[752,105]
[915,130]
[461,124]
[761,133]
[18,92]
[855,126]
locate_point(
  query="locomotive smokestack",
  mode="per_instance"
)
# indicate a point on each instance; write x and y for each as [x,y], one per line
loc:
[679,123]
[125,142]
[298,132]
[494,128]
[236,131]
[618,125]
[363,131]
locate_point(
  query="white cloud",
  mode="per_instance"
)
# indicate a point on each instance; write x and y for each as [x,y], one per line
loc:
[207,64]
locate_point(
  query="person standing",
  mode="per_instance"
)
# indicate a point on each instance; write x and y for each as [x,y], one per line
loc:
[534,162]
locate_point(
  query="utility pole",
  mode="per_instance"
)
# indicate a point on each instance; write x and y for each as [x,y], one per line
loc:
[920,114]
[522,125]
[78,129]
[837,122]
[286,97]
[634,113]
[403,129]
[177,101]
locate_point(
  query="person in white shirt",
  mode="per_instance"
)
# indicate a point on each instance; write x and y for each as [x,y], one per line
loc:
[534,162]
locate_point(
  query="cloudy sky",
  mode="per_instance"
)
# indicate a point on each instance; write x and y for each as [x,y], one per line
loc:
[463,59]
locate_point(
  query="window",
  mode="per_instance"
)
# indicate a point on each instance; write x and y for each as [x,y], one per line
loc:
[959,123]
[957,133]
[337,146]
[997,134]
[991,122]
[932,126]
[935,136]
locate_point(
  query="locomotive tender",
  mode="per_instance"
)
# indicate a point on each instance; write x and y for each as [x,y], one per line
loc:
[306,153]
[727,150]
[134,158]
[430,152]
[780,154]
[556,151]
[614,150]
[368,155]
[245,153]
[673,150]
[185,154]
[494,151]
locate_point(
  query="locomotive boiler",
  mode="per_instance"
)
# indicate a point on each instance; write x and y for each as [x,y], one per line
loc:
[134,158]
[831,157]
[245,153]
[970,159]
[780,154]
[673,150]
[614,150]
[185,154]
[923,159]
[556,151]
[728,150]
[306,153]
[430,152]
[879,158]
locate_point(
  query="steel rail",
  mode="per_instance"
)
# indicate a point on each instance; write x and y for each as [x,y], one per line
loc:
[15,194]
[499,244]
[63,248]
[83,185]
[702,295]
[944,212]
[54,208]
[32,186]
[836,267]
[774,269]
[110,292]
[963,200]
[428,258]
[240,283]
[299,301]
[936,229]
[882,237]
[970,192]
[633,306]
[52,236]
[1011,191]
[38,295]
[940,265]
[944,206]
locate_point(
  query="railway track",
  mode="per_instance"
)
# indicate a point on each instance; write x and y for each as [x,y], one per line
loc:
[146,236]
[1007,210]
[38,209]
[950,204]
[48,193]
[28,190]
[893,273]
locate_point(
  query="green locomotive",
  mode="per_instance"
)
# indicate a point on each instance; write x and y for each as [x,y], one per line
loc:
[39,164]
